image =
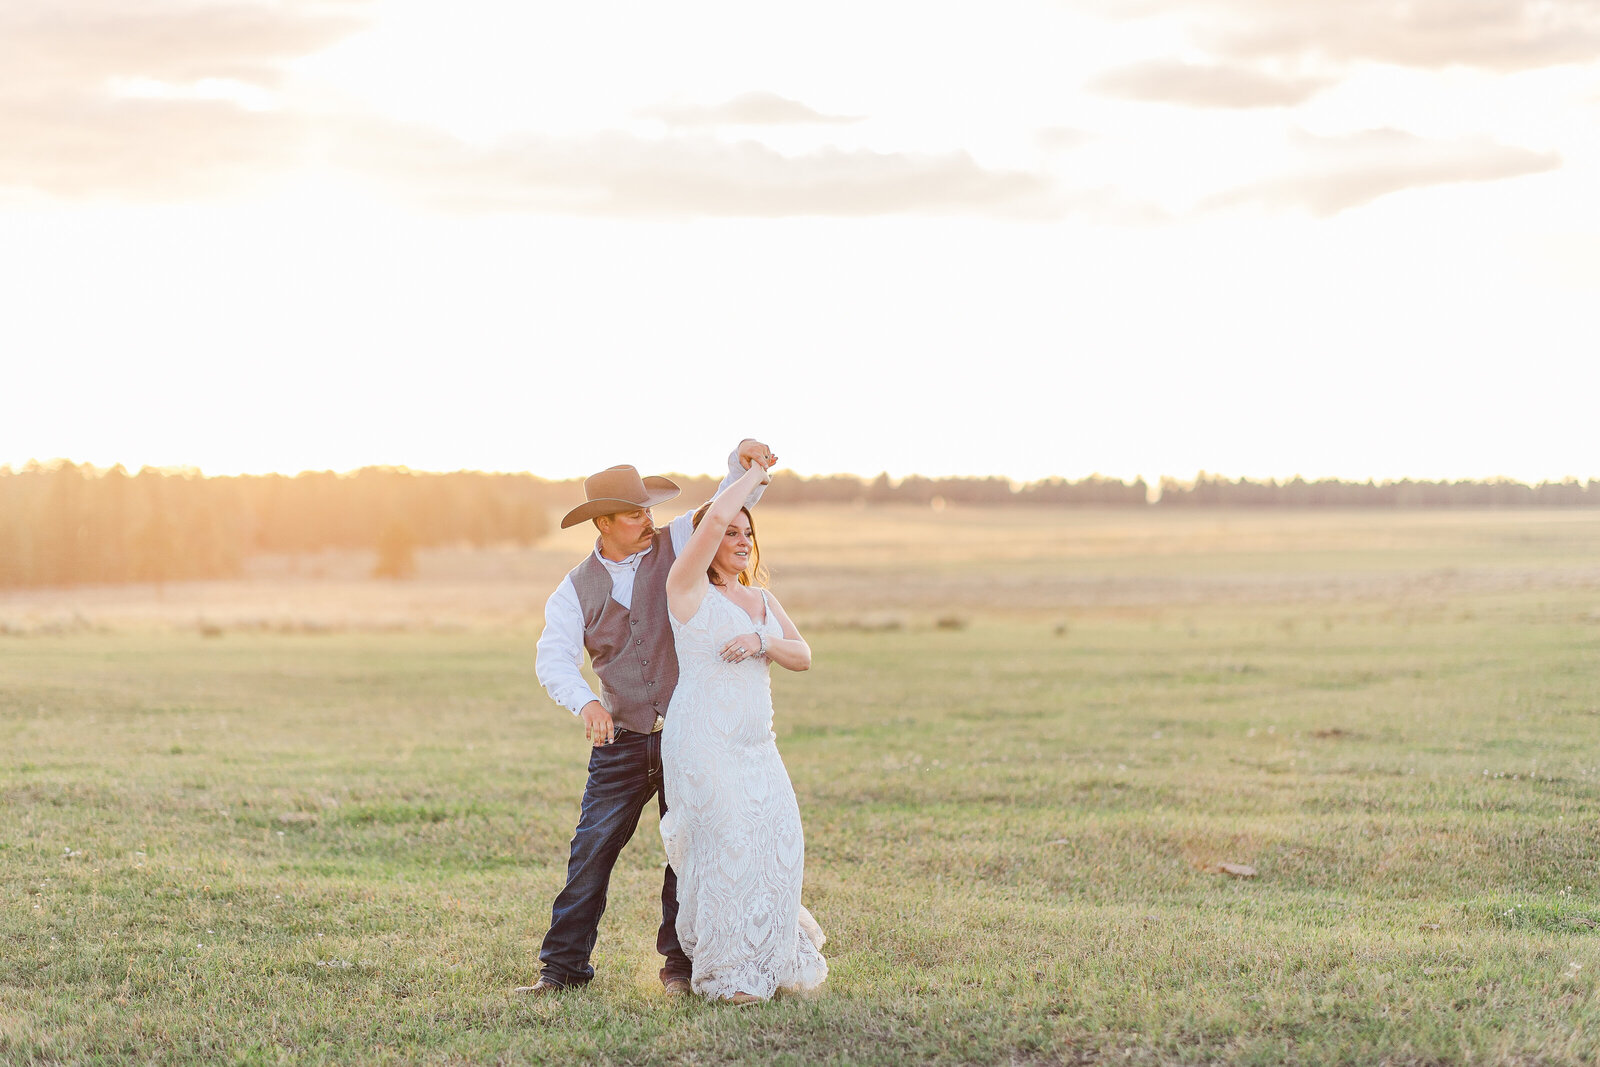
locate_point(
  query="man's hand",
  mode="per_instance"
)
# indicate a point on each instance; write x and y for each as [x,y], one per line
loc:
[597,724]
[753,451]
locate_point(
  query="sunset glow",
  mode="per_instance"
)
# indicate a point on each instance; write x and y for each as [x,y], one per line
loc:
[1353,239]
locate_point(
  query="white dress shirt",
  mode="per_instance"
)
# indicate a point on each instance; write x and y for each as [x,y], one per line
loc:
[560,660]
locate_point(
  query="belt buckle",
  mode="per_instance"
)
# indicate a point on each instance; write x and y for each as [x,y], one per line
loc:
[661,720]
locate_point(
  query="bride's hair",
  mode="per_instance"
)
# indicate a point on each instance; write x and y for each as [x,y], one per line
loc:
[755,573]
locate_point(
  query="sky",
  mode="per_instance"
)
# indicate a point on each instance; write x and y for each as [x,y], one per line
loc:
[1263,238]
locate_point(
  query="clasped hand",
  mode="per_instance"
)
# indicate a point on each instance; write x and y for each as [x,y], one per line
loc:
[742,648]
[752,451]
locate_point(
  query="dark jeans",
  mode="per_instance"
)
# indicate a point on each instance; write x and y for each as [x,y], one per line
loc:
[623,776]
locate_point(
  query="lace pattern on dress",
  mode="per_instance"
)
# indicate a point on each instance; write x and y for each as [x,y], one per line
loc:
[732,828]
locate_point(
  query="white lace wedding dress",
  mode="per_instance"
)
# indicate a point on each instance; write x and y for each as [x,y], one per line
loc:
[732,827]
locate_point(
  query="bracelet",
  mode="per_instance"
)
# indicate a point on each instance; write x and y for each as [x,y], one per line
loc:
[762,638]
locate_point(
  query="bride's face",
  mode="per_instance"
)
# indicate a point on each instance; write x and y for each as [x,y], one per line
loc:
[738,544]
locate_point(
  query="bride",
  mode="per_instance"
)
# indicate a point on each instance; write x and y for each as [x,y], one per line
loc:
[732,827]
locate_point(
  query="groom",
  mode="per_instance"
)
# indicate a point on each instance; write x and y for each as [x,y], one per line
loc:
[614,606]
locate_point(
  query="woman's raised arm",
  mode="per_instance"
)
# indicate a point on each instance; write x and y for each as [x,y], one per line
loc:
[686,581]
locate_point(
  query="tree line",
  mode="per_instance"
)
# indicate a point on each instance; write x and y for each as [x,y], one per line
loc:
[1216,491]
[63,523]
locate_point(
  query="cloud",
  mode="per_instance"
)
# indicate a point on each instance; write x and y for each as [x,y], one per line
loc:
[747,109]
[1334,174]
[83,147]
[1196,85]
[1498,35]
[108,98]
[1062,138]
[173,99]
[618,174]
[80,45]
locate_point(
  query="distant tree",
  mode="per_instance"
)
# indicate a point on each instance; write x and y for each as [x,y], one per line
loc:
[881,491]
[397,555]
[790,488]
[15,556]
[63,545]
[915,489]
[529,522]
[154,541]
[109,526]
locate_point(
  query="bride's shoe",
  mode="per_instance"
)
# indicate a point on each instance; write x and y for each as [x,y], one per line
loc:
[744,998]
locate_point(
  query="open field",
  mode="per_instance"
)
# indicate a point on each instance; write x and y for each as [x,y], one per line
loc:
[306,818]
[836,564]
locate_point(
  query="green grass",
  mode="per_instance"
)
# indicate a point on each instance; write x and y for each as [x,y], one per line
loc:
[342,848]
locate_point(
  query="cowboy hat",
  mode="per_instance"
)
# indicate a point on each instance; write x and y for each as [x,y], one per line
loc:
[617,489]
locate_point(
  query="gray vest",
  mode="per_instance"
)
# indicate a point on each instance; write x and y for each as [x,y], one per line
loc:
[632,649]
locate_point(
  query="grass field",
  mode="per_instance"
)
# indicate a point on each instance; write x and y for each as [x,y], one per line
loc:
[326,825]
